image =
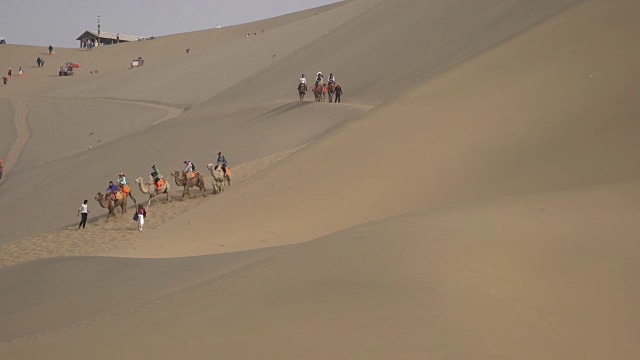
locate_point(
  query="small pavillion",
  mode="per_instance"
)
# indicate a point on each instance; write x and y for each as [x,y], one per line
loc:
[108,38]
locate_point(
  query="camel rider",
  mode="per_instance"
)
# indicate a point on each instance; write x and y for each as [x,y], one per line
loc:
[122,183]
[111,190]
[155,174]
[319,77]
[302,81]
[122,180]
[222,162]
[332,79]
[188,170]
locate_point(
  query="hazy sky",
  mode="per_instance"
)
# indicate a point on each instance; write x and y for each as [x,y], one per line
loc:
[59,23]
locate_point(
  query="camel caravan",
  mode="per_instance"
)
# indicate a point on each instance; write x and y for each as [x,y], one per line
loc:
[117,193]
[321,90]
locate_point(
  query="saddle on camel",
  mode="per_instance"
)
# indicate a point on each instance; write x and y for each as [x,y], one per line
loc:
[112,192]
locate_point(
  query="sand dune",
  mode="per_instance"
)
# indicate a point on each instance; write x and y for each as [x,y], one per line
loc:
[238,93]
[505,132]
[505,278]
[477,200]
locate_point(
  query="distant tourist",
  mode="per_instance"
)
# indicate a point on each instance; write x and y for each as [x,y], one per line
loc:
[4,80]
[338,93]
[39,61]
[84,211]
[50,50]
[142,213]
[20,72]
[118,38]
[9,73]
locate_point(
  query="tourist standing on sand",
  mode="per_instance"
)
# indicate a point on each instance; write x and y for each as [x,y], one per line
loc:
[338,93]
[84,211]
[50,50]
[20,72]
[39,61]
[9,73]
[142,213]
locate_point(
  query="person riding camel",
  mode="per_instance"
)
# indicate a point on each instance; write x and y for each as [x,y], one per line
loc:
[155,174]
[319,78]
[222,161]
[188,170]
[302,82]
[122,184]
[332,79]
[111,191]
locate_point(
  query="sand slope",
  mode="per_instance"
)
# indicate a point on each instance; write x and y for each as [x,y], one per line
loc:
[200,133]
[525,277]
[487,213]
[540,113]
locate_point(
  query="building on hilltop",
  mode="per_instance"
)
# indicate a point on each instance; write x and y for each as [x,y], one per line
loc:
[107,38]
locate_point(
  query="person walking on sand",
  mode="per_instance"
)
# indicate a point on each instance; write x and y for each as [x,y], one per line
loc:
[39,61]
[84,211]
[9,73]
[20,72]
[338,89]
[50,50]
[142,213]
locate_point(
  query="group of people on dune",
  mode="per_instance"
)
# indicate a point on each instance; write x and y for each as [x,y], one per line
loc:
[319,81]
[120,188]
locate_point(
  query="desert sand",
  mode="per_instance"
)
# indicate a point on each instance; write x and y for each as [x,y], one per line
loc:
[473,196]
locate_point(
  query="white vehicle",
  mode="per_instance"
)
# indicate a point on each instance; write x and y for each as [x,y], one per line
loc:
[2,40]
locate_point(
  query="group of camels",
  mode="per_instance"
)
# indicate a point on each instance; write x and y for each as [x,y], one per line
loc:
[150,188]
[320,91]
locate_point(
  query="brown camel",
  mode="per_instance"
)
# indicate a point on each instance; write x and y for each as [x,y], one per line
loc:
[302,90]
[152,190]
[198,180]
[218,178]
[129,194]
[319,92]
[112,205]
[331,90]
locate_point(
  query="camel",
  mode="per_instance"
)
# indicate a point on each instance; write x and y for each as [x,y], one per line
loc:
[181,180]
[318,92]
[112,205]
[152,190]
[218,178]
[129,194]
[302,90]
[331,90]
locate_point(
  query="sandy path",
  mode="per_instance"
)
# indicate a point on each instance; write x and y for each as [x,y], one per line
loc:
[100,237]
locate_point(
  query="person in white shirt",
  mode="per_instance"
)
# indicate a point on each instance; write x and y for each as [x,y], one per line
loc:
[332,79]
[302,80]
[84,211]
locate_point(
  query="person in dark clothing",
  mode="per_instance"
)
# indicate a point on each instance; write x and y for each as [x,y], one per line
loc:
[50,50]
[338,93]
[39,61]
